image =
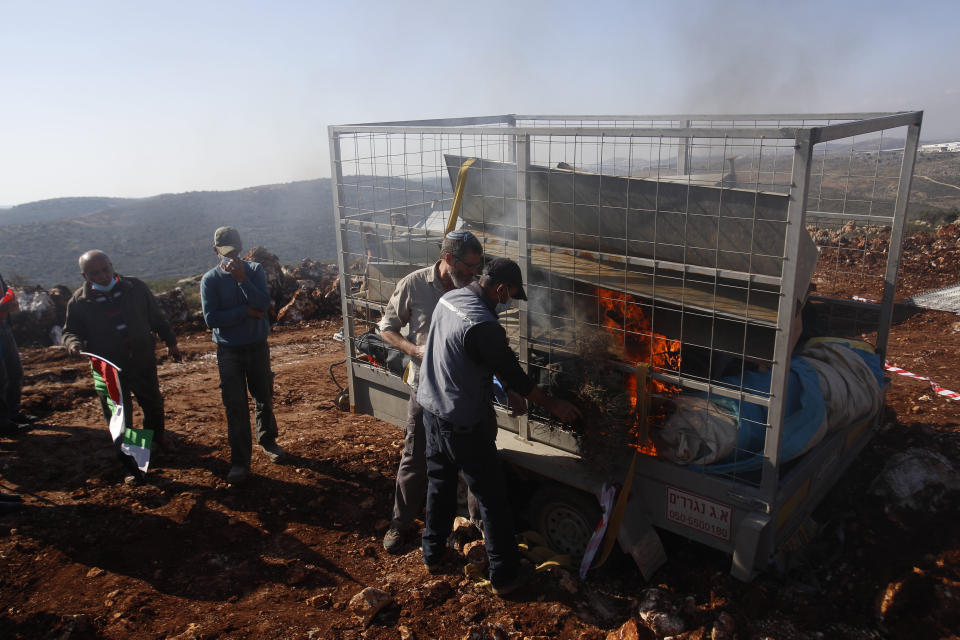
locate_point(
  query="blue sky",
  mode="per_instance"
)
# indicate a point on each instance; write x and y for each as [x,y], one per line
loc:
[139,98]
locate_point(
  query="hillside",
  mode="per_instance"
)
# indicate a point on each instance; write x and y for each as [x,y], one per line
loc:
[171,235]
[167,235]
[57,208]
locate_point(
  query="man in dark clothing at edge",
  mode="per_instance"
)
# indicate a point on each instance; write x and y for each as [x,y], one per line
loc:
[465,348]
[12,420]
[235,299]
[114,317]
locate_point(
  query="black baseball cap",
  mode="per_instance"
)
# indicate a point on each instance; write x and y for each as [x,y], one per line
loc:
[508,272]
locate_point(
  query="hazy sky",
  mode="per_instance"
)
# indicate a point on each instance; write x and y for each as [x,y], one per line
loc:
[137,98]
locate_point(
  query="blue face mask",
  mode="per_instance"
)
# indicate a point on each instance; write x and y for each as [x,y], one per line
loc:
[104,288]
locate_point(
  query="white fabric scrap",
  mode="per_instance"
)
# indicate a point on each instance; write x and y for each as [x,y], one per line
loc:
[698,432]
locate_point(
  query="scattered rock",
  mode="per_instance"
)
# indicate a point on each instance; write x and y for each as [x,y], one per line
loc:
[663,624]
[652,599]
[476,554]
[39,312]
[300,307]
[174,305]
[320,601]
[488,632]
[406,633]
[437,591]
[192,632]
[724,627]
[630,630]
[95,572]
[463,533]
[471,613]
[916,478]
[368,603]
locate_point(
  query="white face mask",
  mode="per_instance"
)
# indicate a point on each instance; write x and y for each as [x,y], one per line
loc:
[504,305]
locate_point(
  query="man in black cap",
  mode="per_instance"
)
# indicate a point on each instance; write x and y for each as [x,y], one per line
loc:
[465,348]
[235,299]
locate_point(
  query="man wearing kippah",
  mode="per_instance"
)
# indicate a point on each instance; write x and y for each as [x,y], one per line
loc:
[411,305]
[235,299]
[465,348]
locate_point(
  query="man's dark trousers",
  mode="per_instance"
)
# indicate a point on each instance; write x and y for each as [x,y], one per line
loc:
[11,375]
[472,451]
[241,368]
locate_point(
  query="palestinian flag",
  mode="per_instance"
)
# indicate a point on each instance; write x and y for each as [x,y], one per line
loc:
[135,443]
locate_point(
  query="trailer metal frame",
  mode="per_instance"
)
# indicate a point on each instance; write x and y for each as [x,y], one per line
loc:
[377,167]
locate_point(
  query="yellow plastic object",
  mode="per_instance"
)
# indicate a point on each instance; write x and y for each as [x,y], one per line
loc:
[458,195]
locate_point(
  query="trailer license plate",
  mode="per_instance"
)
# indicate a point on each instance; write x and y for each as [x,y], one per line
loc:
[698,513]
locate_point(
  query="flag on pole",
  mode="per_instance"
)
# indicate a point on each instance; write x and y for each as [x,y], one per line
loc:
[135,443]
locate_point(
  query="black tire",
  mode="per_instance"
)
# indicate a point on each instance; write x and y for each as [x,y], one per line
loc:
[565,517]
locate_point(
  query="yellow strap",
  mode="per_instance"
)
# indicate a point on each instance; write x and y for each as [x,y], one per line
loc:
[458,195]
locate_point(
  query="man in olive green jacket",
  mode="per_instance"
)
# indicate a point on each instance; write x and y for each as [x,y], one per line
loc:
[114,317]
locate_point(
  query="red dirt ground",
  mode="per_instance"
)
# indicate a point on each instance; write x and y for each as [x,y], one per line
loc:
[185,556]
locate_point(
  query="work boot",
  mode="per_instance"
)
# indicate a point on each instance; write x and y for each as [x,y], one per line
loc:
[238,475]
[273,451]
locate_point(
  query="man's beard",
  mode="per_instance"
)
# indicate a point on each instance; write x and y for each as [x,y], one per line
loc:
[460,281]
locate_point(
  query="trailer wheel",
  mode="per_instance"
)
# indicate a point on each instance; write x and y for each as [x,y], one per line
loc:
[565,517]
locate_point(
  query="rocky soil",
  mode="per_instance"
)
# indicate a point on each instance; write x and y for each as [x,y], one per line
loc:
[296,552]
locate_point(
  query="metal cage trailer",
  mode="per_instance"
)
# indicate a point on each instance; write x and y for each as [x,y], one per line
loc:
[678,268]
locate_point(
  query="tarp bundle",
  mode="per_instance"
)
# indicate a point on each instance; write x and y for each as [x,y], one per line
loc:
[833,383]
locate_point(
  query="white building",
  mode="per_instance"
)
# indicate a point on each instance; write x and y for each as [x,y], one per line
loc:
[941,147]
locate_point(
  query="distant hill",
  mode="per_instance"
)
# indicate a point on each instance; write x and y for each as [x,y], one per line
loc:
[166,235]
[57,208]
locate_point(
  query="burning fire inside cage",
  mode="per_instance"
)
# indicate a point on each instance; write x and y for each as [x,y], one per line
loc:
[623,319]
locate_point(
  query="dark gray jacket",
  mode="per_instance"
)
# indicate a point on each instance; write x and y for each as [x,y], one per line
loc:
[89,326]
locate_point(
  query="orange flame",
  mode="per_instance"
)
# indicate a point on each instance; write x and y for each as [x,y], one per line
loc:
[623,318]
[632,331]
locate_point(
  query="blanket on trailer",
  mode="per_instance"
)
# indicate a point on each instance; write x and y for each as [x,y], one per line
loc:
[833,383]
